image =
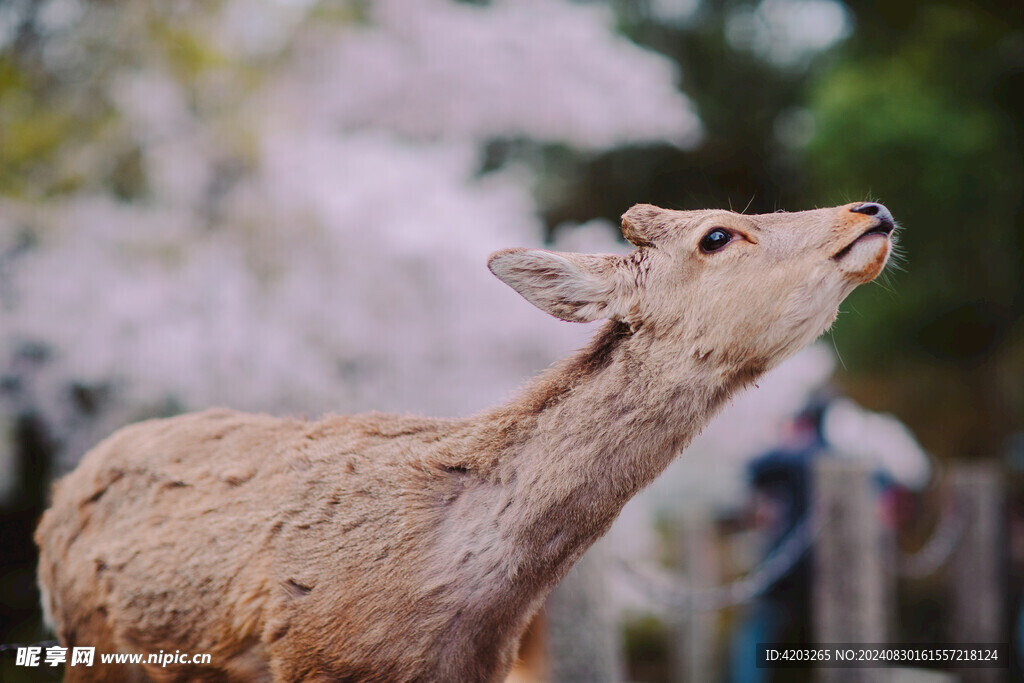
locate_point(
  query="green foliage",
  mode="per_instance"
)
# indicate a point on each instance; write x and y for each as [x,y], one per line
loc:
[188,55]
[37,131]
[924,110]
[917,126]
[61,131]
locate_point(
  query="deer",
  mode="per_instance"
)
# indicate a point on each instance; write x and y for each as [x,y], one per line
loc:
[379,547]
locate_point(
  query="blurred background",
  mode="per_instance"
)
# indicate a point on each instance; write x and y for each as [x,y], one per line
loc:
[287,205]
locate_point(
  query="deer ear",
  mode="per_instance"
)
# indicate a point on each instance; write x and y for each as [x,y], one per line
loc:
[644,224]
[574,287]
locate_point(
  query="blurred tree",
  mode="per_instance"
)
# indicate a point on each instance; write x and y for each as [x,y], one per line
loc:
[273,205]
[925,110]
[740,97]
[922,108]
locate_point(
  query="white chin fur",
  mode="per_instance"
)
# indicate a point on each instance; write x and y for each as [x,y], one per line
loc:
[867,257]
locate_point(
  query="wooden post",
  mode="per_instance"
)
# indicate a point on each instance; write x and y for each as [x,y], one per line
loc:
[851,592]
[693,650]
[976,577]
[584,643]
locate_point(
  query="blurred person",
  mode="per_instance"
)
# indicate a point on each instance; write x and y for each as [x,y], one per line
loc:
[780,500]
[781,482]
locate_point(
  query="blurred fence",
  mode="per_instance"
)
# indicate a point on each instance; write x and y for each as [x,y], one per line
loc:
[857,569]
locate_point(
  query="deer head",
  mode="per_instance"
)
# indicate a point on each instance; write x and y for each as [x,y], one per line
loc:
[738,291]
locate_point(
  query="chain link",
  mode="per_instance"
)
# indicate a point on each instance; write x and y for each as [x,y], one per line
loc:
[674,591]
[935,553]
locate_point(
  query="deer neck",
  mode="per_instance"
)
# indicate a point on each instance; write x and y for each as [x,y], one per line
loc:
[588,435]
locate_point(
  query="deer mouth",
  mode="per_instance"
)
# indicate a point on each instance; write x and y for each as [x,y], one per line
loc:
[882,228]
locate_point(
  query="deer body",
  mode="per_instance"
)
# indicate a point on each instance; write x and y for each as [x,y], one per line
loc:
[386,548]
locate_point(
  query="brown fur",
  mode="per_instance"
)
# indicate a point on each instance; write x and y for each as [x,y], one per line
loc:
[385,548]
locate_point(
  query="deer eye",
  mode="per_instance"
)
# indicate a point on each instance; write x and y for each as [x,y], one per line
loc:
[715,240]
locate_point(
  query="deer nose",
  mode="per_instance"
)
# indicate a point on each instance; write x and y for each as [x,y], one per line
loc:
[877,210]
